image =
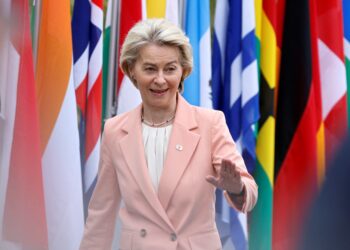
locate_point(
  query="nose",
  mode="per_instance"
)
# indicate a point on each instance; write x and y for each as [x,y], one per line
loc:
[160,79]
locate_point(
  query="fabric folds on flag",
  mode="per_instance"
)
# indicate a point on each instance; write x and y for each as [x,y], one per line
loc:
[197,88]
[235,86]
[24,220]
[87,28]
[298,120]
[58,127]
[270,23]
[333,76]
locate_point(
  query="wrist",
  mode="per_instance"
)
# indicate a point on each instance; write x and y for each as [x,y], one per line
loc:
[237,194]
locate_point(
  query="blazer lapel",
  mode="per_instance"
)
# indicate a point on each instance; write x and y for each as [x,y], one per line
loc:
[182,144]
[133,151]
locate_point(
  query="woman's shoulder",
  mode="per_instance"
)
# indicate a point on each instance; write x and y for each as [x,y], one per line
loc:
[207,114]
[116,123]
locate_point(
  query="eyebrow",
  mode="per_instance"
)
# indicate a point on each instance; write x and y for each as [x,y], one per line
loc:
[153,64]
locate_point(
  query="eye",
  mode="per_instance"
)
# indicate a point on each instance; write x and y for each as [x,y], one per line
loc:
[149,69]
[170,69]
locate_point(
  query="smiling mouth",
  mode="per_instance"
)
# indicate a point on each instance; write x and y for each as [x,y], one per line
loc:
[158,91]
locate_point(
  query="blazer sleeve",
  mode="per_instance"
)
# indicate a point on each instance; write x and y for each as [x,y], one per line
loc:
[223,147]
[104,203]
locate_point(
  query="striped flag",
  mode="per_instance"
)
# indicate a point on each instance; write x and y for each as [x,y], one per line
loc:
[87,27]
[235,86]
[270,22]
[23,220]
[346,16]
[298,120]
[333,75]
[59,130]
[197,89]
[128,96]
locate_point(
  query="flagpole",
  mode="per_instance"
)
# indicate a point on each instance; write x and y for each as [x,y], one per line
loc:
[181,13]
[37,13]
[112,97]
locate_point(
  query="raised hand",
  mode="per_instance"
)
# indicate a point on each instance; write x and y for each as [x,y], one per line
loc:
[228,178]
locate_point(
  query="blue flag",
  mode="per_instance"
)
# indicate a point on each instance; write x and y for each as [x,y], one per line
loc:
[197,27]
[236,88]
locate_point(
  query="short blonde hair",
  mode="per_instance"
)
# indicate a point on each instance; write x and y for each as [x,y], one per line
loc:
[160,32]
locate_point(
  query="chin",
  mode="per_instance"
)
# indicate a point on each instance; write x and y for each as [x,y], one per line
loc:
[160,105]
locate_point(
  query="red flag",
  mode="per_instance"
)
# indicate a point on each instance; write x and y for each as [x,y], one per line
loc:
[128,95]
[24,214]
[130,13]
[298,120]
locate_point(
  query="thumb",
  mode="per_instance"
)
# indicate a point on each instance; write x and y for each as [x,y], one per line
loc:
[212,180]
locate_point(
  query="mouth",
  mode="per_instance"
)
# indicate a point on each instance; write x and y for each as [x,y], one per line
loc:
[159,92]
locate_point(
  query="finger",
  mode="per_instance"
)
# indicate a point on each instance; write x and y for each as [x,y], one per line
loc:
[236,173]
[234,170]
[229,165]
[225,161]
[212,180]
[225,166]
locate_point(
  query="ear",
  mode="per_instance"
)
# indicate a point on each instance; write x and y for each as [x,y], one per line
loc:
[132,77]
[132,74]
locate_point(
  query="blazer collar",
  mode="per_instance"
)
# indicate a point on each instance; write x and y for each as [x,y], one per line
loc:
[133,151]
[185,114]
[182,144]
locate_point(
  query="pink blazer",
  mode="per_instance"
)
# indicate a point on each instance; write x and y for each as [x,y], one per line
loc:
[182,215]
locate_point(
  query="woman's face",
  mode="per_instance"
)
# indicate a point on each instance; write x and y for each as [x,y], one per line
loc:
[158,73]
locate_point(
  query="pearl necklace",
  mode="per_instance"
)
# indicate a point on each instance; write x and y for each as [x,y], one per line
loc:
[156,125]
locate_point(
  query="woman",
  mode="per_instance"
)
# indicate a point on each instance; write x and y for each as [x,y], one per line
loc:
[165,158]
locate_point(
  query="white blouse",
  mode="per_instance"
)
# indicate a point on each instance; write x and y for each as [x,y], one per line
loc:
[155,141]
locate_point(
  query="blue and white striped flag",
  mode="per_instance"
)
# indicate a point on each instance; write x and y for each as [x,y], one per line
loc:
[197,27]
[235,90]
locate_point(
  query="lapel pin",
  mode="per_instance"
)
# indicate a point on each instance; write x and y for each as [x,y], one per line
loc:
[179,147]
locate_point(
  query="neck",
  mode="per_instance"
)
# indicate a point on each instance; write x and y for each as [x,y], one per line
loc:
[158,115]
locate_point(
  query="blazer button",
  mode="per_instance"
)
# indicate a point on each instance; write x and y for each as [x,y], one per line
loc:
[179,147]
[143,233]
[173,237]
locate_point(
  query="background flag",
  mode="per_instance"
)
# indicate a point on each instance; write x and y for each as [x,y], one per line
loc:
[333,75]
[298,120]
[59,130]
[269,31]
[197,27]
[346,17]
[128,96]
[156,8]
[24,221]
[168,9]
[87,27]
[235,87]
[106,55]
